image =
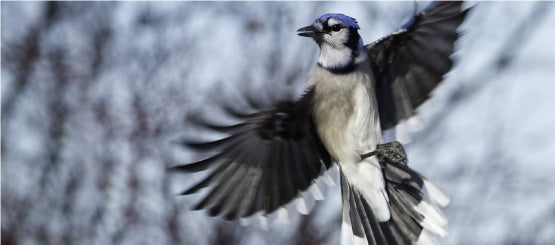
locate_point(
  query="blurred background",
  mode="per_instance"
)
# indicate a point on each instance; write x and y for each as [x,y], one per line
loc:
[93,94]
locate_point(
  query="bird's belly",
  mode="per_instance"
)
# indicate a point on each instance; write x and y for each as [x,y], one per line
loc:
[348,124]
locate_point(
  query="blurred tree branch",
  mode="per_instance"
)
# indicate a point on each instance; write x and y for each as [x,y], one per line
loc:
[502,60]
[95,91]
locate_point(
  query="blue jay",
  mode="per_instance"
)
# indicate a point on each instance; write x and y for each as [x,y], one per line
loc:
[353,93]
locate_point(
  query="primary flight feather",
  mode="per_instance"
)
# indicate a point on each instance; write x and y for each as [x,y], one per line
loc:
[352,94]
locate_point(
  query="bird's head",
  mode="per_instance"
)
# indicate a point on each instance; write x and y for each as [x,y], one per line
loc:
[338,38]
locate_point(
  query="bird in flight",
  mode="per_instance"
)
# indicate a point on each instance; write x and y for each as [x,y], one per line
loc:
[353,94]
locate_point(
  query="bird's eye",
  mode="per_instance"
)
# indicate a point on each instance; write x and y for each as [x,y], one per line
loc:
[336,27]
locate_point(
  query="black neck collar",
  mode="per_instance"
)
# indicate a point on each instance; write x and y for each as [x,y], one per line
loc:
[340,70]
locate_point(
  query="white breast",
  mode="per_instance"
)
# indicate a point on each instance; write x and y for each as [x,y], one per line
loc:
[346,115]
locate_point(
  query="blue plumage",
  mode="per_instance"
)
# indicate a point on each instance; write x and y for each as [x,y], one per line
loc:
[352,94]
[350,22]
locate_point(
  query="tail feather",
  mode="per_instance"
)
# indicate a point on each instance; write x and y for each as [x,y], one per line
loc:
[413,204]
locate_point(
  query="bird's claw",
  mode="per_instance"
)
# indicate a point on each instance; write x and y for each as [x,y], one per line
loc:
[393,152]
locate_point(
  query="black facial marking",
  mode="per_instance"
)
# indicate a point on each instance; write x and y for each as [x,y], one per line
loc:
[326,26]
[352,41]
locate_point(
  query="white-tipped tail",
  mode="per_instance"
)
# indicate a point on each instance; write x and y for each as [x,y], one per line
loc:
[411,201]
[436,195]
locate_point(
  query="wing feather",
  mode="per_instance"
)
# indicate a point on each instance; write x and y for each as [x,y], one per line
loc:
[264,163]
[409,63]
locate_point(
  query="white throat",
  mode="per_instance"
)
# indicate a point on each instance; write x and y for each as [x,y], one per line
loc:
[333,57]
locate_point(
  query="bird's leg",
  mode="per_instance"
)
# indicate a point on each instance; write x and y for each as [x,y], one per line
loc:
[392,151]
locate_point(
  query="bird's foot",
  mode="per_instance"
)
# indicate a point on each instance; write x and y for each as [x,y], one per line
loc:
[392,151]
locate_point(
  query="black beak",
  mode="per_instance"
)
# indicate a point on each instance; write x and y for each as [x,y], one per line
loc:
[308,31]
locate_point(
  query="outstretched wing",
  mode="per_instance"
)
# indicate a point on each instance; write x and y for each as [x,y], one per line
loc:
[266,161]
[410,62]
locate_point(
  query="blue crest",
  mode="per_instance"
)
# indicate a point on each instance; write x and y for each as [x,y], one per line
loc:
[350,22]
